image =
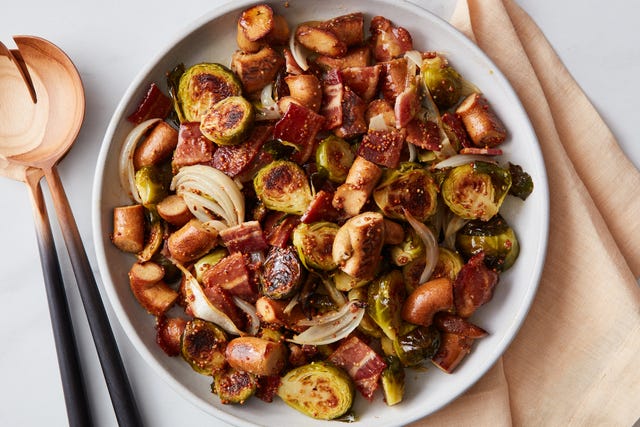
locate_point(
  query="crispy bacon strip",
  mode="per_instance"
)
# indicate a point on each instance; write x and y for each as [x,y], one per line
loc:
[193,147]
[474,286]
[382,147]
[235,159]
[231,274]
[155,104]
[245,238]
[332,91]
[299,127]
[362,364]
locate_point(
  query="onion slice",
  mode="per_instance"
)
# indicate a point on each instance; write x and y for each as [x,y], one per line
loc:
[462,159]
[298,52]
[268,108]
[331,327]
[200,305]
[125,161]
[250,310]
[430,245]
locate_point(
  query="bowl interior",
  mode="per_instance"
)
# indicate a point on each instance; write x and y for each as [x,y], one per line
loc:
[212,39]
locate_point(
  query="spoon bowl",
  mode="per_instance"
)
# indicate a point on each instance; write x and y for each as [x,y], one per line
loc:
[38,139]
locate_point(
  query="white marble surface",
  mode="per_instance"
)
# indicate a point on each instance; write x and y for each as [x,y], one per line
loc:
[109,42]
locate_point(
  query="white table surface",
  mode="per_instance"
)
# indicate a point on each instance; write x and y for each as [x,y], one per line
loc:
[110,41]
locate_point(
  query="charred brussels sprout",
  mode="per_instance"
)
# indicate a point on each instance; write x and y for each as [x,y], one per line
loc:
[335,156]
[282,274]
[393,381]
[151,184]
[449,264]
[495,238]
[229,121]
[409,188]
[522,184]
[443,81]
[203,85]
[417,345]
[234,386]
[476,190]
[283,186]
[384,302]
[314,243]
[202,346]
[411,248]
[319,390]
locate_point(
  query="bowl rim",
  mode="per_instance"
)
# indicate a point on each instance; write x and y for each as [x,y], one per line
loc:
[119,114]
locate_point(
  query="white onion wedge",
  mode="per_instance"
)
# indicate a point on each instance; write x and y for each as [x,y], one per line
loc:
[430,245]
[250,310]
[332,327]
[462,159]
[125,161]
[298,52]
[200,305]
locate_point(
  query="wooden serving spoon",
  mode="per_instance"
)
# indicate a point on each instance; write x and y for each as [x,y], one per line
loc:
[38,136]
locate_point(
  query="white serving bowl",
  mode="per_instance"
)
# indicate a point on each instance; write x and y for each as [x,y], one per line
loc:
[212,39]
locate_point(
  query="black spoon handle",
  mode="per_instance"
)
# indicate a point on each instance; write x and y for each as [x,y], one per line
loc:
[75,395]
[113,369]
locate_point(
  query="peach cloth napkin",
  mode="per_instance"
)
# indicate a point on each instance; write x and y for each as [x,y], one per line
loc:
[576,360]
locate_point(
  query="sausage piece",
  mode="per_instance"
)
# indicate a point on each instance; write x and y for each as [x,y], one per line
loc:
[128,228]
[192,241]
[157,147]
[483,126]
[256,355]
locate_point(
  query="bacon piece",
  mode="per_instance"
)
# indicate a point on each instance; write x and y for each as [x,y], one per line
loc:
[234,159]
[363,81]
[299,126]
[453,348]
[424,134]
[353,108]
[388,41]
[332,91]
[155,104]
[232,275]
[193,147]
[168,333]
[453,324]
[261,160]
[320,209]
[278,227]
[245,238]
[406,106]
[474,286]
[362,364]
[455,130]
[393,79]
[223,302]
[382,147]
[267,387]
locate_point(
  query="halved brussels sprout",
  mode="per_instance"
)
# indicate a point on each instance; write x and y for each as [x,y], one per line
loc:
[336,157]
[384,302]
[228,121]
[314,243]
[283,186]
[411,248]
[152,185]
[476,190]
[393,381]
[449,264]
[409,188]
[319,390]
[203,85]
[202,345]
[282,274]
[495,238]
[442,80]
[345,283]
[417,345]
[367,325]
[234,386]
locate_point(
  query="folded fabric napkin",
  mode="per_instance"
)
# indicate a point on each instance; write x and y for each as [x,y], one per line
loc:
[575,360]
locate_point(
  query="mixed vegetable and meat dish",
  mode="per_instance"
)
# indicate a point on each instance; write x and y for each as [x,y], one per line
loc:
[319,215]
